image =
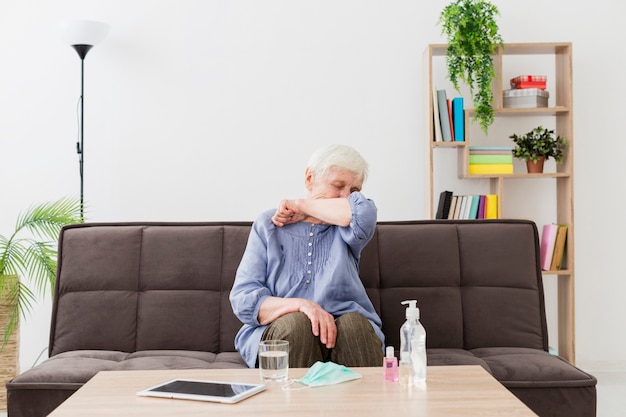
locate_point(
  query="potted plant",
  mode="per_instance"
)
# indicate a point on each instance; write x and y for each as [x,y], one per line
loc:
[32,257]
[473,36]
[538,145]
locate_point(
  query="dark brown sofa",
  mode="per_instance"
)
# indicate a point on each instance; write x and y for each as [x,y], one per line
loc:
[155,296]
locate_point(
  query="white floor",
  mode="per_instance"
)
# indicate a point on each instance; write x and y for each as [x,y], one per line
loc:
[611,392]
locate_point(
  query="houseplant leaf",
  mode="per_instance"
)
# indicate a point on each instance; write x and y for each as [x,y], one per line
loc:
[473,36]
[32,257]
[539,142]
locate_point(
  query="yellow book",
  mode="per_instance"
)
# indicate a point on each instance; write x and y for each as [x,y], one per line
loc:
[482,169]
[559,248]
[491,206]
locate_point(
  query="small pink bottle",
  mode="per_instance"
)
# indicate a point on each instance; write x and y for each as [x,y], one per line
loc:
[390,366]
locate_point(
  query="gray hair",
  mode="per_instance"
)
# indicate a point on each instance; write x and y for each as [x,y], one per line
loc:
[340,156]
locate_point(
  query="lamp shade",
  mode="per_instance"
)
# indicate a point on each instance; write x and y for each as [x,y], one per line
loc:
[84,32]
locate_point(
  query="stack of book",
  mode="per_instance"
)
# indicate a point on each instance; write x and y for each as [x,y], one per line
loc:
[552,248]
[449,117]
[467,207]
[490,160]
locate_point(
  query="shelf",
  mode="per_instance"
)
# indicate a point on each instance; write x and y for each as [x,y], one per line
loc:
[448,144]
[524,112]
[535,48]
[565,272]
[518,176]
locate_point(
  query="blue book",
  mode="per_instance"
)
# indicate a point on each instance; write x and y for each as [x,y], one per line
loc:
[458,119]
[473,214]
[444,116]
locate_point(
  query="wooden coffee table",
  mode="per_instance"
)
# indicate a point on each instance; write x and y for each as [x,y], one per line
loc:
[449,391]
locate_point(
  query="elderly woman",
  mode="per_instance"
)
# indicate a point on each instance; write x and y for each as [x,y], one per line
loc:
[298,279]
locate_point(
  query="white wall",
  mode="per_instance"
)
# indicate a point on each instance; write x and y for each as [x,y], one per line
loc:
[208,110]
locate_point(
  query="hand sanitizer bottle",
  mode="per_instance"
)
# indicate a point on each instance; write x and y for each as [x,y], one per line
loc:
[390,365]
[412,346]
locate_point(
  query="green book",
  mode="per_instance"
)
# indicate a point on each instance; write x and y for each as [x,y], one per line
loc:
[491,159]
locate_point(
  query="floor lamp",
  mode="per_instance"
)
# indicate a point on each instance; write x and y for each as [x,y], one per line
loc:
[82,35]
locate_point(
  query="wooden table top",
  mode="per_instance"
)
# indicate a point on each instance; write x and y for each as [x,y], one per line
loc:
[449,391]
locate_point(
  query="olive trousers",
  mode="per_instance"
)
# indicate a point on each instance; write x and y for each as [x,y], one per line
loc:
[357,344]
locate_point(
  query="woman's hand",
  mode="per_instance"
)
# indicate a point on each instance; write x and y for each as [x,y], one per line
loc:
[290,211]
[322,322]
[285,213]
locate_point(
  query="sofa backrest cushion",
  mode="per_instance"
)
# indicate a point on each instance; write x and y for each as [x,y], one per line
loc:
[143,286]
[132,287]
[477,283]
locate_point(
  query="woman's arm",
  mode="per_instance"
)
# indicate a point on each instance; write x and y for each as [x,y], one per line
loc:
[250,287]
[335,211]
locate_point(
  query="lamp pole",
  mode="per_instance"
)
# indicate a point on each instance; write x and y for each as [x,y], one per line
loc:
[80,145]
[82,35]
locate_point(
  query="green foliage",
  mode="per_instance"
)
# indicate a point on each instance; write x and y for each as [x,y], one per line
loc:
[539,142]
[32,257]
[473,35]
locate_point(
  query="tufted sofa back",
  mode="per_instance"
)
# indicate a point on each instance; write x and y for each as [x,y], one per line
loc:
[146,286]
[132,287]
[477,283]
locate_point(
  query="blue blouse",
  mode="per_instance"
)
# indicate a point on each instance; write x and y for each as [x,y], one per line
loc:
[303,260]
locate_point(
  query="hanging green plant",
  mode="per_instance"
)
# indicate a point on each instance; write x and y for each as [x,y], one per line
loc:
[473,36]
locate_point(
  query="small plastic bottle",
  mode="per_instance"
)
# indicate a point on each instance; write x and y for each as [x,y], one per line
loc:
[390,365]
[412,346]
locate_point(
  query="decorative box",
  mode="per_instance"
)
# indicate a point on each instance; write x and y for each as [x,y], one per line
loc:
[529,81]
[525,98]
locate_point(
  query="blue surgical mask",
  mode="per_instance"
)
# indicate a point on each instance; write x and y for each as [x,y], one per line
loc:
[326,373]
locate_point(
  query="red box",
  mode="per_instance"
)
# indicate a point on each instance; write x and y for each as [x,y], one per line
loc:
[529,81]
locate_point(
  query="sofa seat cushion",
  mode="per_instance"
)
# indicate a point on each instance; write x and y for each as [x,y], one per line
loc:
[516,367]
[532,368]
[74,368]
[446,357]
[548,384]
[177,359]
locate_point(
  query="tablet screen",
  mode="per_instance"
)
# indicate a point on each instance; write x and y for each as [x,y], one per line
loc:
[203,390]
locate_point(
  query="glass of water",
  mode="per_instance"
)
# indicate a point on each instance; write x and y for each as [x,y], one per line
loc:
[274,360]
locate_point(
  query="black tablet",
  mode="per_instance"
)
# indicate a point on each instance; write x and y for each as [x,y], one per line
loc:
[200,390]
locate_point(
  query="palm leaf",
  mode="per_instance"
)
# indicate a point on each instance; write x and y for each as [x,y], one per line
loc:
[20,297]
[13,257]
[46,220]
[40,261]
[33,257]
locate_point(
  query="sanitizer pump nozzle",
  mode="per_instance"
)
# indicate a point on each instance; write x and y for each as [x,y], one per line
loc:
[412,312]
